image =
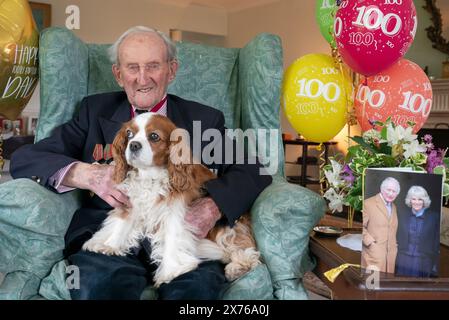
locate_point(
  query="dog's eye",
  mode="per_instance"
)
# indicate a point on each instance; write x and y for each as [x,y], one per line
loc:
[154,137]
[129,134]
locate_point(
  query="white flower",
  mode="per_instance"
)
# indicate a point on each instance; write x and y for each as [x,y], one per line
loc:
[333,177]
[413,148]
[399,134]
[336,200]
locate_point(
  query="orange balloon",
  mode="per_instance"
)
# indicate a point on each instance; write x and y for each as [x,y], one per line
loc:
[19,42]
[402,92]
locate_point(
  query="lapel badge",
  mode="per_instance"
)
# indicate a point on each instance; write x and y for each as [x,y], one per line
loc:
[107,153]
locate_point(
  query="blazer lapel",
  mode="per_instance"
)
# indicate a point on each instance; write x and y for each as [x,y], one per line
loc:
[175,114]
[111,126]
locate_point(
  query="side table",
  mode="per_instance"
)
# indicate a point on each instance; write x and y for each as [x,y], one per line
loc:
[303,179]
[350,284]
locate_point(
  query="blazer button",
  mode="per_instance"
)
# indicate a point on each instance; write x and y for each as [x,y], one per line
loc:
[35,178]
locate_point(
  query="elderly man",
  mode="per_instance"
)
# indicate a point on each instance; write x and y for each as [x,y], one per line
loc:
[144,63]
[380,223]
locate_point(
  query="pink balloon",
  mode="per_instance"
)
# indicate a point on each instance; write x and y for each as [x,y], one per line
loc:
[402,92]
[372,35]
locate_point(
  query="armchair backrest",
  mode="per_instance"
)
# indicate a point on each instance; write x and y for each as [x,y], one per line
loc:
[243,83]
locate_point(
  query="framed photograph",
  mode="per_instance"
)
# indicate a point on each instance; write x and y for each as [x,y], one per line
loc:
[32,124]
[401,222]
[41,14]
[6,128]
[17,126]
[6,125]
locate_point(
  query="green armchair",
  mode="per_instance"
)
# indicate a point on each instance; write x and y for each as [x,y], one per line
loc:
[243,83]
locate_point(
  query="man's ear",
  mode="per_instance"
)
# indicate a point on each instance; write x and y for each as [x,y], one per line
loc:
[117,74]
[173,65]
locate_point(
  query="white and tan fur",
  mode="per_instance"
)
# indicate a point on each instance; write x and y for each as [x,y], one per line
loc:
[160,190]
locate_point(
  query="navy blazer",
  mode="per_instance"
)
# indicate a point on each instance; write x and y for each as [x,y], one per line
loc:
[100,117]
[430,244]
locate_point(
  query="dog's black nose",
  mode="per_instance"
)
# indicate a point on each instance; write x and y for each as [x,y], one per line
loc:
[135,146]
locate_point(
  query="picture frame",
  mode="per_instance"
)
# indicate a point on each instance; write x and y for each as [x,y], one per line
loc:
[17,127]
[6,125]
[32,124]
[402,206]
[42,14]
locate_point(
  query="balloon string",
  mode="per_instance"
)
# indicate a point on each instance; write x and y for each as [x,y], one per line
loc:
[322,163]
[2,162]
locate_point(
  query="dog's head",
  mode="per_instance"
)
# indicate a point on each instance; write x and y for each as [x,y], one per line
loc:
[152,140]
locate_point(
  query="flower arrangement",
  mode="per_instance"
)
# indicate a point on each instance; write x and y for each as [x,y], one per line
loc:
[391,146]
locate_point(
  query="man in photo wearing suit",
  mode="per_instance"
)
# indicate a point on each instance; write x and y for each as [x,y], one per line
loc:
[144,63]
[380,223]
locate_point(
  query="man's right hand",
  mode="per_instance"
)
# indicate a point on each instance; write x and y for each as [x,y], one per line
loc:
[98,179]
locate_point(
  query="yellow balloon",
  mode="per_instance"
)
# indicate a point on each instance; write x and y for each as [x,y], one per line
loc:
[19,42]
[315,96]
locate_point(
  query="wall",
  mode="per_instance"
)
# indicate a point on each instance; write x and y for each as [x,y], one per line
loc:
[421,51]
[102,21]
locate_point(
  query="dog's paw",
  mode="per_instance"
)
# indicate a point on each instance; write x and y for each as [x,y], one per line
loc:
[98,247]
[241,263]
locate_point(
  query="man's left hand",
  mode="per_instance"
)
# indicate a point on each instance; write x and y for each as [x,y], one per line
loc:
[202,214]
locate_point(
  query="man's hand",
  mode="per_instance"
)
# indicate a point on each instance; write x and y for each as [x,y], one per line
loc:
[202,215]
[98,179]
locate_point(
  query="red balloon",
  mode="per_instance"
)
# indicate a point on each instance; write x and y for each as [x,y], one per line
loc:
[402,92]
[372,35]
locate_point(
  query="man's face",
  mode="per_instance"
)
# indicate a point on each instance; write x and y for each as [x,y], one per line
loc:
[389,192]
[143,69]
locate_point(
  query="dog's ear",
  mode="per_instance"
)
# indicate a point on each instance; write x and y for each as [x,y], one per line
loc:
[179,160]
[118,152]
[185,173]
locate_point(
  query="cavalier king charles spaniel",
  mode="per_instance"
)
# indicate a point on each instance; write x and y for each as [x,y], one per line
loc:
[161,180]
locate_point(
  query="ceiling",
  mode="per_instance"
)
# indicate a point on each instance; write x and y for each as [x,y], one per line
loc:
[228,5]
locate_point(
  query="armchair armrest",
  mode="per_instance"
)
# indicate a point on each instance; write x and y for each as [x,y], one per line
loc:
[33,222]
[283,216]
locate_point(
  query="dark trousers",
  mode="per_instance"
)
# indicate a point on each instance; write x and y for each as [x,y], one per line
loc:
[105,277]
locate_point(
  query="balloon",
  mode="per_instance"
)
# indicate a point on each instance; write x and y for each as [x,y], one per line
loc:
[325,15]
[372,35]
[315,96]
[19,41]
[402,92]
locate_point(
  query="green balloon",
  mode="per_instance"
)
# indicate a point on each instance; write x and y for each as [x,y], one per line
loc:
[325,16]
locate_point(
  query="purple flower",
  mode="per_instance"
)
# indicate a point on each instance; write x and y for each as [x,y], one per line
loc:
[427,139]
[434,159]
[347,175]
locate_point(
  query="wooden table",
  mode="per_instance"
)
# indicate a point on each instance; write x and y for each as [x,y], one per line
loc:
[351,283]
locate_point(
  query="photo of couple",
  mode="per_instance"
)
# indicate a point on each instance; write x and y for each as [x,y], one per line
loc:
[401,223]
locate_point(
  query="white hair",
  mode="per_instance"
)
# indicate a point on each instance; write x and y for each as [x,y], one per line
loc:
[417,192]
[113,49]
[388,181]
